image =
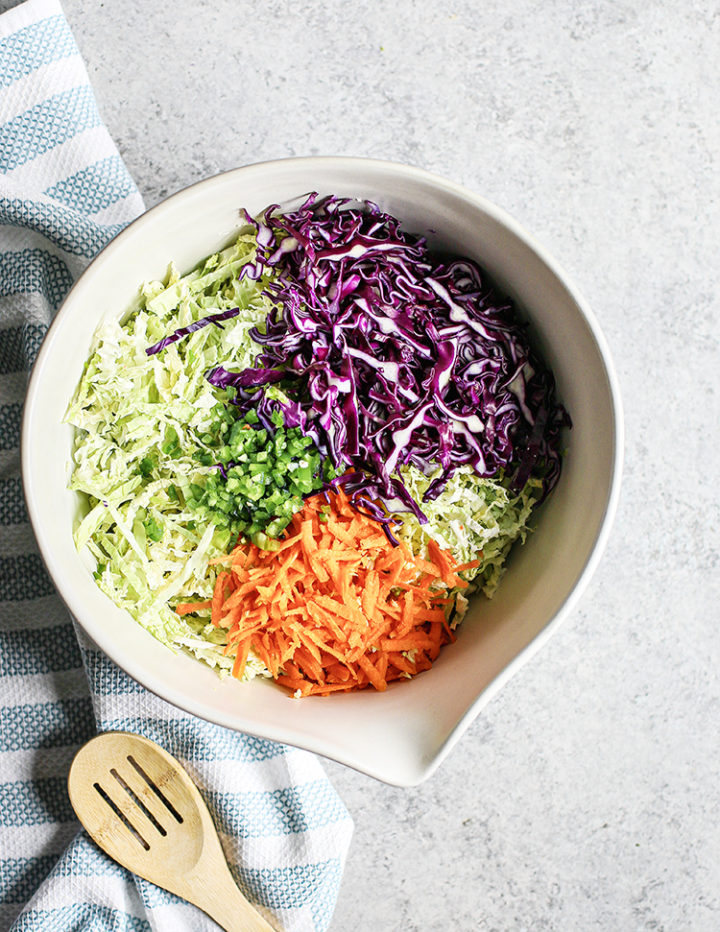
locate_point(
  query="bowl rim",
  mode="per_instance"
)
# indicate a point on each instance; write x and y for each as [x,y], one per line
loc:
[422,768]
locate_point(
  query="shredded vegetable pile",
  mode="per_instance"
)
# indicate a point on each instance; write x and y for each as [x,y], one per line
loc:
[377,611]
[301,457]
[392,357]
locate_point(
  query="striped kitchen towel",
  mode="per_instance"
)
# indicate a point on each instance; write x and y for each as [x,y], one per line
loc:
[64,192]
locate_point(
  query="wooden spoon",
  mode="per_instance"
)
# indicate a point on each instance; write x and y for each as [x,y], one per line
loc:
[139,804]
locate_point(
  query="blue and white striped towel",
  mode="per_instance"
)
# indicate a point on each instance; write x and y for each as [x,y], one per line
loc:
[64,192]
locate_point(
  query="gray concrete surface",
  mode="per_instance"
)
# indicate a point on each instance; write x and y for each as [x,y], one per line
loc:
[587,796]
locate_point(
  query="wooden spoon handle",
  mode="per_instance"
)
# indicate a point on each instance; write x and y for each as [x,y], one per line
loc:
[217,894]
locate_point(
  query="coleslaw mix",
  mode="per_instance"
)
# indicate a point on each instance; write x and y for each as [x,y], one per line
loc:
[277,369]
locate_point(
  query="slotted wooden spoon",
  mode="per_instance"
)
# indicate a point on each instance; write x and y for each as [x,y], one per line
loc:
[139,804]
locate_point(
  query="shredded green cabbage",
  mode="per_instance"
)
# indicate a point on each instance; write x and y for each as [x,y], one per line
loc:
[471,515]
[130,408]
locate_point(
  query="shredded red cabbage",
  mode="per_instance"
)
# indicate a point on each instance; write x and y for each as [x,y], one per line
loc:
[391,356]
[191,328]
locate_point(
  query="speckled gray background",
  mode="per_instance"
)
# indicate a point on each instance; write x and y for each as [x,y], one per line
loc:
[587,796]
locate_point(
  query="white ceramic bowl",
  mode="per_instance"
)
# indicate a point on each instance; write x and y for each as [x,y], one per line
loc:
[399,736]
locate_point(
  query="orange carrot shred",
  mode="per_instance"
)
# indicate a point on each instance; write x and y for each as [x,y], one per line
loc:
[185,608]
[335,607]
[241,658]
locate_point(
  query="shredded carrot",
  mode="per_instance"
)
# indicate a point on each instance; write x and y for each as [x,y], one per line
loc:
[468,566]
[185,608]
[335,607]
[243,649]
